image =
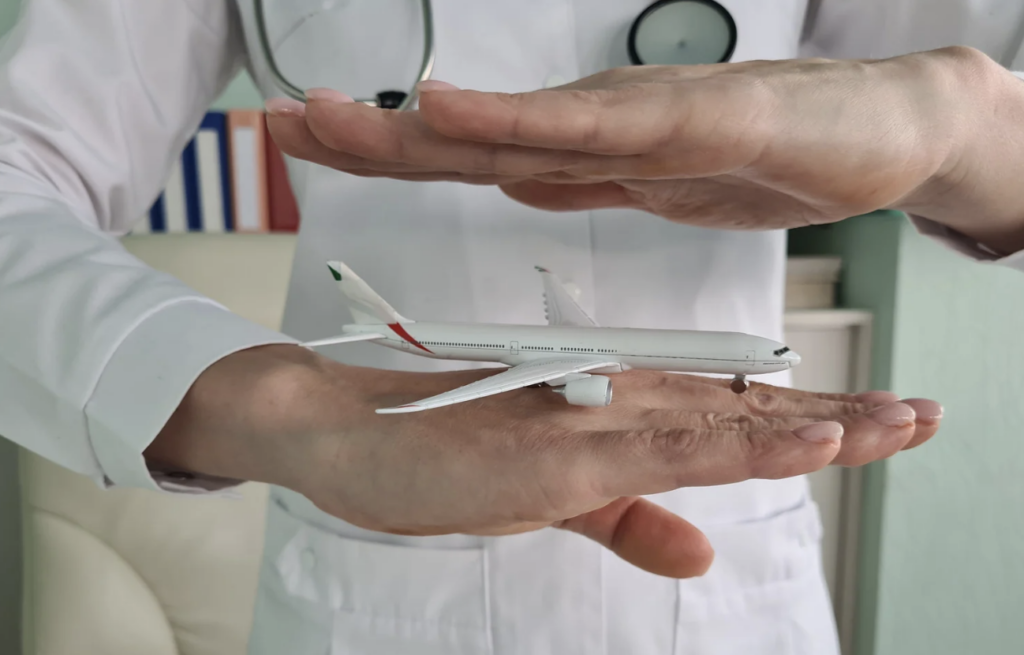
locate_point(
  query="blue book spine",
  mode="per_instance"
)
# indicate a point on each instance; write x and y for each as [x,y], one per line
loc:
[190,175]
[158,216]
[218,122]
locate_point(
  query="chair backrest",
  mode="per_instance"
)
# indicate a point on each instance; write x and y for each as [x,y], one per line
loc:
[126,571]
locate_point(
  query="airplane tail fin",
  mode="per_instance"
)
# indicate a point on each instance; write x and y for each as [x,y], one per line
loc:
[366,306]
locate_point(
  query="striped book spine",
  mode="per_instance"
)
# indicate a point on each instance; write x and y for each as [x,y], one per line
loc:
[248,170]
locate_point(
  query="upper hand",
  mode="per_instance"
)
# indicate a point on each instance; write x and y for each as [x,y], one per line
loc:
[521,460]
[754,145]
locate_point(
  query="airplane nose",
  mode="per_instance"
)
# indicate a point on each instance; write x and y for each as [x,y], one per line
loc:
[792,358]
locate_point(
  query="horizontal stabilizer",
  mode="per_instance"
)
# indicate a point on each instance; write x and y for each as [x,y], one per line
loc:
[347,338]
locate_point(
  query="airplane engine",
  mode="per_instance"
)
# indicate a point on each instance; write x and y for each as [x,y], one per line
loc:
[592,391]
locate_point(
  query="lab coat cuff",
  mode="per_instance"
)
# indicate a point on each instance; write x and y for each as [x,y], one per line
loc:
[147,377]
[965,245]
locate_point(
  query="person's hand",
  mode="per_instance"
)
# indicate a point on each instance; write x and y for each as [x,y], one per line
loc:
[521,460]
[755,145]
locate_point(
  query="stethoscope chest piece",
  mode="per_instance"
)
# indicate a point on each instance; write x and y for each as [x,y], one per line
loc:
[682,32]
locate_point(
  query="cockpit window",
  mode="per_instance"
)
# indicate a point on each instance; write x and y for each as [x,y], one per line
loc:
[781,351]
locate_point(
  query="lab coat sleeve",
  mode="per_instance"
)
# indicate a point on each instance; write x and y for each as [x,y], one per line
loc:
[97,99]
[964,244]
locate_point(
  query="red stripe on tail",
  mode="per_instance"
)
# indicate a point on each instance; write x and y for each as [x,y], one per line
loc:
[400,331]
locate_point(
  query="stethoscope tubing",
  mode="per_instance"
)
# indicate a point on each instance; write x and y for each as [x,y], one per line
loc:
[426,65]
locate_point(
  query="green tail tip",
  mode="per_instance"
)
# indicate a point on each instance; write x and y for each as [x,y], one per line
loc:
[335,273]
[541,269]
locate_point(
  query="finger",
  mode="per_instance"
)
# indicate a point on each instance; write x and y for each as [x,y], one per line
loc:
[647,536]
[656,460]
[695,393]
[928,413]
[929,417]
[629,417]
[670,418]
[599,121]
[709,124]
[295,139]
[866,398]
[403,138]
[570,197]
[875,435]
[464,178]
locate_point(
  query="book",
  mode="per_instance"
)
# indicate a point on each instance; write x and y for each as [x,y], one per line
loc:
[231,176]
[284,210]
[213,174]
[247,141]
[175,212]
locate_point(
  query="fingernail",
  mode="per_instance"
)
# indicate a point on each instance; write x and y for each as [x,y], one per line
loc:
[820,432]
[925,409]
[877,397]
[328,95]
[894,416]
[285,107]
[435,85]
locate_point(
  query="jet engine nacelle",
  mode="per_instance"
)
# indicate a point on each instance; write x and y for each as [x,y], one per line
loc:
[591,391]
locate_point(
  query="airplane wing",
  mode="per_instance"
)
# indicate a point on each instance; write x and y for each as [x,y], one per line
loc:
[560,307]
[348,338]
[517,377]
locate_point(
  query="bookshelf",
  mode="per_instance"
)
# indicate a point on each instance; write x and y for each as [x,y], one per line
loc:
[230,178]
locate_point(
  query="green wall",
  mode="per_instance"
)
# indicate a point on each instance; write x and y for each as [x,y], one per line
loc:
[240,94]
[941,565]
[8,14]
[952,556]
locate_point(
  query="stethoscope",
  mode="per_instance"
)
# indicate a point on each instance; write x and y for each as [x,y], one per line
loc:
[669,32]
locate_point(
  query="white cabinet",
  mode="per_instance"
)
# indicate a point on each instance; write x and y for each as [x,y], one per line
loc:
[835,347]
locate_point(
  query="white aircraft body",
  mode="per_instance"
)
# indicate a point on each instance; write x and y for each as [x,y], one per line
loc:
[571,353]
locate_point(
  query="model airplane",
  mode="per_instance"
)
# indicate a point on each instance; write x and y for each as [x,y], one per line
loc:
[571,353]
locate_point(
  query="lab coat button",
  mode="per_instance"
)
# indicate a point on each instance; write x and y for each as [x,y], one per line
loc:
[553,80]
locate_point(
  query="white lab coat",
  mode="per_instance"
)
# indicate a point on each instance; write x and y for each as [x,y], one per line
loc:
[98,97]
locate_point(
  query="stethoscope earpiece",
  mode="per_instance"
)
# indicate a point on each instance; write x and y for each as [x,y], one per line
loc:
[682,32]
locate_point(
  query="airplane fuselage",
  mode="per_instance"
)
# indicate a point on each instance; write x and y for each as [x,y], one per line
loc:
[681,351]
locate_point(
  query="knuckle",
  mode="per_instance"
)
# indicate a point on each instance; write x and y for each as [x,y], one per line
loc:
[774,459]
[763,403]
[673,444]
[486,160]
[757,449]
[721,421]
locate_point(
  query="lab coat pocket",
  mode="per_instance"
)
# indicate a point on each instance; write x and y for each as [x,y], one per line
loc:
[765,592]
[407,600]
[334,595]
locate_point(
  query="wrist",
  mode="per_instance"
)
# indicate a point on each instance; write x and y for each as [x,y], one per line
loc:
[255,415]
[977,189]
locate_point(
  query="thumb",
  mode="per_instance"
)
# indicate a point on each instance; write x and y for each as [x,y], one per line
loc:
[568,197]
[647,536]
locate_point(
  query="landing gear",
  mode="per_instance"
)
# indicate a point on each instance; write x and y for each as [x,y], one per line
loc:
[739,384]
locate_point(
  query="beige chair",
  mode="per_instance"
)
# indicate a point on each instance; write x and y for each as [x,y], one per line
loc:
[130,572]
